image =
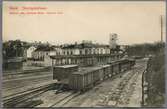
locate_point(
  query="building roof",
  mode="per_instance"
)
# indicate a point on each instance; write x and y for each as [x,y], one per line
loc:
[82,55]
[83,45]
[55,46]
[45,48]
[31,47]
[107,65]
[118,61]
[87,70]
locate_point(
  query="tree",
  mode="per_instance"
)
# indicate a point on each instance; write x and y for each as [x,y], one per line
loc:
[13,49]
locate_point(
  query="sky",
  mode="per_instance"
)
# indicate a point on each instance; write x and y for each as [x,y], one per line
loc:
[134,22]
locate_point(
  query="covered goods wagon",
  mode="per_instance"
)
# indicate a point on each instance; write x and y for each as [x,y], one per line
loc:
[106,71]
[63,72]
[124,65]
[86,78]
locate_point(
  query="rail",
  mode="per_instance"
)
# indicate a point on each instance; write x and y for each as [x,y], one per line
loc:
[22,97]
[65,100]
[28,71]
[144,86]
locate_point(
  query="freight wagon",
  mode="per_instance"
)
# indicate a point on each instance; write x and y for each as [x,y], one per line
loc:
[132,62]
[125,65]
[89,77]
[121,65]
[106,71]
[86,79]
[63,72]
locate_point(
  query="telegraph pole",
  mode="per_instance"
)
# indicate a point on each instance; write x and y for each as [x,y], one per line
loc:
[161,28]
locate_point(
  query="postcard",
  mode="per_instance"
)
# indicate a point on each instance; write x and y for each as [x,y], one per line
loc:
[83,53]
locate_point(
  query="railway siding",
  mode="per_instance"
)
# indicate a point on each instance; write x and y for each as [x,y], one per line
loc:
[90,78]
[15,99]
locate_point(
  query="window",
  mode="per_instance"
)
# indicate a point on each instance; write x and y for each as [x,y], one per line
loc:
[94,52]
[101,51]
[97,51]
[80,51]
[86,51]
[89,51]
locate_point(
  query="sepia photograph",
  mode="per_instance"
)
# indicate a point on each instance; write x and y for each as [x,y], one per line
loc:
[83,54]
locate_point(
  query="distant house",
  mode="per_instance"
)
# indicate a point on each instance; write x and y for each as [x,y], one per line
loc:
[41,55]
[29,52]
[57,51]
[84,54]
[42,51]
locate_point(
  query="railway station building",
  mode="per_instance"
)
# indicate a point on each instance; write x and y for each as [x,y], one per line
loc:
[86,54]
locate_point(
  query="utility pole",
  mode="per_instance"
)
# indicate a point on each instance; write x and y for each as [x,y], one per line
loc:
[161,28]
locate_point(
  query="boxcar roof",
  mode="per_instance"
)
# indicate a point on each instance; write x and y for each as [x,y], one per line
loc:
[87,70]
[63,81]
[118,61]
[107,65]
[66,66]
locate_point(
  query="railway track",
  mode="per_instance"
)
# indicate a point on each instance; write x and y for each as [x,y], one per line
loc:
[20,98]
[65,99]
[68,98]
[126,92]
[28,71]
[21,84]
[71,96]
[116,95]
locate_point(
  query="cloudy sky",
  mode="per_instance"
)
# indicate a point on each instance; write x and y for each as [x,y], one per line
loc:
[134,22]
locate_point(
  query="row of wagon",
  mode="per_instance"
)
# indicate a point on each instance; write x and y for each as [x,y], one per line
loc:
[81,79]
